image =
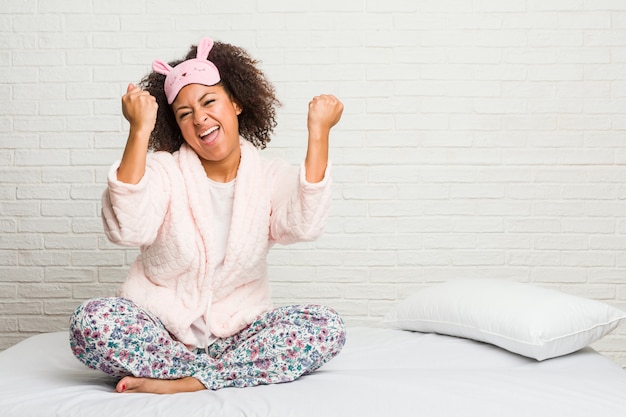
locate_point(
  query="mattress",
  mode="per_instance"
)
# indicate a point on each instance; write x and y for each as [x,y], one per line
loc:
[380,372]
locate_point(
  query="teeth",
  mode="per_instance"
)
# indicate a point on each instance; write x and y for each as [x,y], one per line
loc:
[210,130]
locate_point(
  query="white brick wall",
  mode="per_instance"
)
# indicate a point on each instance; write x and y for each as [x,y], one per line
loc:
[480,139]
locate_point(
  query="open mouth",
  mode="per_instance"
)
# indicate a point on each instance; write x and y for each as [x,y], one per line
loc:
[210,134]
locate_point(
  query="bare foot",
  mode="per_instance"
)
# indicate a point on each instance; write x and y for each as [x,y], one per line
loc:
[158,386]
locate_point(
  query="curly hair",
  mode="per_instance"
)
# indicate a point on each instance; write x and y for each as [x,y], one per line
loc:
[242,81]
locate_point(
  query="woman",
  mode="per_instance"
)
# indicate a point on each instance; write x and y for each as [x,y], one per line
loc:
[204,208]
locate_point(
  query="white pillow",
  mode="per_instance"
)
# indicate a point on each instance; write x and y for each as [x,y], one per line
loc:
[532,321]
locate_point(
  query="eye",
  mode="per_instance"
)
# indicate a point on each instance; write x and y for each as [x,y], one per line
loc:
[184,115]
[208,102]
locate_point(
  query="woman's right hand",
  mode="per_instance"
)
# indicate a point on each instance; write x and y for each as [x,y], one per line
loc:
[139,107]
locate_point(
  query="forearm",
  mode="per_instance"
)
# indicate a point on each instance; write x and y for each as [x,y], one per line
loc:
[140,109]
[133,165]
[324,113]
[316,159]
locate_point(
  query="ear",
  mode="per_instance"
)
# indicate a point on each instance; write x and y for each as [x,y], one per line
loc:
[161,67]
[237,107]
[204,47]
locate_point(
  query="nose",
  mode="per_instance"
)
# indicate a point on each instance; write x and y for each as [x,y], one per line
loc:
[200,118]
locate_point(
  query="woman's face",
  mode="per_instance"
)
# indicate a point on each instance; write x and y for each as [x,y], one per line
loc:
[207,118]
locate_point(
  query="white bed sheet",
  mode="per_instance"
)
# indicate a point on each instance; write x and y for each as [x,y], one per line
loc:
[381,372]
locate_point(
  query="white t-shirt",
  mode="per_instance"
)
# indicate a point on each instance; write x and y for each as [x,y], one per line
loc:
[222,196]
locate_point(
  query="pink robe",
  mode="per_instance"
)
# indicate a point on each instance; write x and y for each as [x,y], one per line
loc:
[167,215]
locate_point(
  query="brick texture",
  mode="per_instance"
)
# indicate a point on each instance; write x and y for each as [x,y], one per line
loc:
[479,139]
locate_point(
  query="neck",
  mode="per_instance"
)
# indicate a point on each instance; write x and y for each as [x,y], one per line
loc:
[222,171]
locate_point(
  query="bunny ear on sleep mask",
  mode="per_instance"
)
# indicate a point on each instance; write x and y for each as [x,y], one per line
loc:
[197,70]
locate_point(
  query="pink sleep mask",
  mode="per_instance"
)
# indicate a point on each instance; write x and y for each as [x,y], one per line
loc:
[198,70]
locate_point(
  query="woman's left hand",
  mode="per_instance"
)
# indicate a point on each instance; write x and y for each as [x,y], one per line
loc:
[324,112]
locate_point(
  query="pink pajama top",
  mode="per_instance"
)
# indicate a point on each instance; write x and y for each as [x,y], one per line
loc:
[167,215]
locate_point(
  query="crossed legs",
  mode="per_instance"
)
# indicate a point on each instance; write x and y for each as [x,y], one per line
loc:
[121,339]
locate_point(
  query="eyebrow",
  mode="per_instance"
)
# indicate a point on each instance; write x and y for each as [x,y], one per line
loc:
[199,100]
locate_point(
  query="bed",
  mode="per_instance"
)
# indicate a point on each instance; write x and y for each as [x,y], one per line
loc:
[382,371]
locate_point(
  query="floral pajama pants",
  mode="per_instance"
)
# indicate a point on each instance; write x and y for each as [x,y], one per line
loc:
[120,338]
